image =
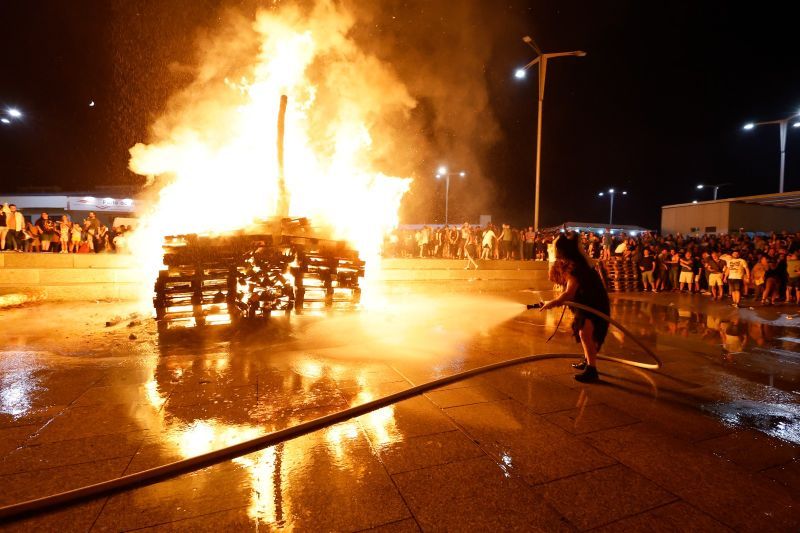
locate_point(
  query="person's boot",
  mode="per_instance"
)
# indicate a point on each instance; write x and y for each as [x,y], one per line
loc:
[589,375]
[581,365]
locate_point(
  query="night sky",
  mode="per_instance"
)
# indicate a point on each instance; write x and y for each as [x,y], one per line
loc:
[656,107]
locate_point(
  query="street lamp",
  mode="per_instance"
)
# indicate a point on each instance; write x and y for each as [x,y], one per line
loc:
[715,186]
[442,172]
[541,61]
[11,114]
[611,193]
[782,123]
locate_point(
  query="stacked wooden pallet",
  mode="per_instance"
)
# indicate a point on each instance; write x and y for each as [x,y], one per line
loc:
[621,275]
[224,279]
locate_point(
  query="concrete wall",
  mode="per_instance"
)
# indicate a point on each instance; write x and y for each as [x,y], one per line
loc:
[85,277]
[754,217]
[727,216]
[683,218]
[70,276]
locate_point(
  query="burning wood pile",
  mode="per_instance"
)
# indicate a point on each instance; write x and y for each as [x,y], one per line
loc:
[228,278]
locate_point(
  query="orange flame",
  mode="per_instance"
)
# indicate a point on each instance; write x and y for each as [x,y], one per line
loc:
[215,152]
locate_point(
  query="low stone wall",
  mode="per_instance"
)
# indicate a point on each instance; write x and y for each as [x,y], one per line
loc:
[450,275]
[70,276]
[108,276]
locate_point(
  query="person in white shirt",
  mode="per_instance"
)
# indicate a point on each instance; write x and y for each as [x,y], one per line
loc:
[488,243]
[735,271]
[15,223]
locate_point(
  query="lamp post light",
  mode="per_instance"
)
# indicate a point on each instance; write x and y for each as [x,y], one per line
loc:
[716,187]
[11,114]
[541,61]
[611,193]
[782,124]
[442,172]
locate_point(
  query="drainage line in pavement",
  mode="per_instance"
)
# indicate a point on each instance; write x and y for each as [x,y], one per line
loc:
[148,477]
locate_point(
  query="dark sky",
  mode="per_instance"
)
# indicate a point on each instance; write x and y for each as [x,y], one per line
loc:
[655,108]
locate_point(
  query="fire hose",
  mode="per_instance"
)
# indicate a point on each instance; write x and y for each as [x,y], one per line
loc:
[57,501]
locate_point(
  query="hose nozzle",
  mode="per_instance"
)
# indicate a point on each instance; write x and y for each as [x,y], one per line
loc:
[535,306]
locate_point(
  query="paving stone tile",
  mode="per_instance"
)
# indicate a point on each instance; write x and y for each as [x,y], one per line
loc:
[676,517]
[227,520]
[464,396]
[77,519]
[447,498]
[788,476]
[40,456]
[526,444]
[427,450]
[752,450]
[406,419]
[538,394]
[24,486]
[33,416]
[328,480]
[746,503]
[90,421]
[13,437]
[590,418]
[679,420]
[122,394]
[601,496]
[728,493]
[408,525]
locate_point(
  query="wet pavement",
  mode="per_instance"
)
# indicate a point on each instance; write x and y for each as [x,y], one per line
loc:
[709,443]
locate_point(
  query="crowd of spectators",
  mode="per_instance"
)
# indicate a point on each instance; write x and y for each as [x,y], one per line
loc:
[766,267]
[19,233]
[468,241]
[738,265]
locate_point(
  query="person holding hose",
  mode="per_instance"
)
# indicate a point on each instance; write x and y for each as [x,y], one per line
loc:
[584,286]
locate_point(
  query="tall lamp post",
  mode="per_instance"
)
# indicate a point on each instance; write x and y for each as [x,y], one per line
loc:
[715,186]
[442,172]
[541,61]
[611,193]
[782,123]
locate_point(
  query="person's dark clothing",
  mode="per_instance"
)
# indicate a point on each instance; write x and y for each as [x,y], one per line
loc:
[592,293]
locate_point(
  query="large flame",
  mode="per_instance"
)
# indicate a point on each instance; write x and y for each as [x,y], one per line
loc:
[215,152]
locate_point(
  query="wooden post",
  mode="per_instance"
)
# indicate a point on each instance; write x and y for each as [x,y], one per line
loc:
[283,194]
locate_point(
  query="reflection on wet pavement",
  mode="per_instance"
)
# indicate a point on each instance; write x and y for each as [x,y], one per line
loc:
[479,454]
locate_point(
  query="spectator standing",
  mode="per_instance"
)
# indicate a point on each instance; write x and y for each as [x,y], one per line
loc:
[735,272]
[758,274]
[487,244]
[714,267]
[674,269]
[687,271]
[793,278]
[76,238]
[46,231]
[15,223]
[92,227]
[530,240]
[772,283]
[31,238]
[662,271]
[647,266]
